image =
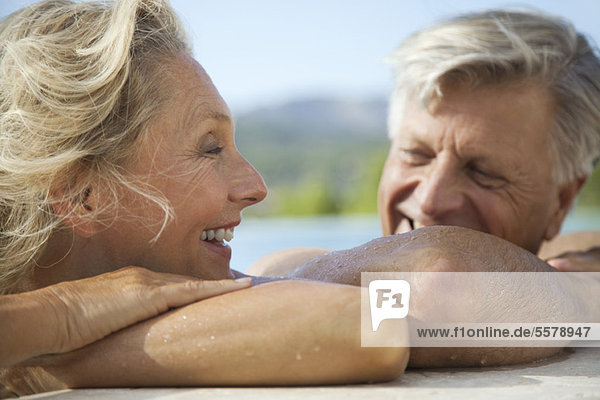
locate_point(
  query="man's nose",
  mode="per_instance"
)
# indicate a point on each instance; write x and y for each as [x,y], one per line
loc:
[439,191]
[247,186]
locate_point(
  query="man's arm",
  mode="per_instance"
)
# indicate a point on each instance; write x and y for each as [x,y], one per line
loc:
[284,262]
[450,249]
[578,251]
[278,333]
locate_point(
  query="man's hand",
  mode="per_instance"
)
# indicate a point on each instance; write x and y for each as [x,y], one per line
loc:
[577,261]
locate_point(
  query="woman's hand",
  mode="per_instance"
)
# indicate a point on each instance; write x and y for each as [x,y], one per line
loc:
[577,261]
[279,333]
[69,315]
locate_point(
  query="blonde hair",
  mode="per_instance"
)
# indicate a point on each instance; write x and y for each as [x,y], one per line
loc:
[502,47]
[78,87]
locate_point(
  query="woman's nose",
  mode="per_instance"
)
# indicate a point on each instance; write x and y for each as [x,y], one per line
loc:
[247,186]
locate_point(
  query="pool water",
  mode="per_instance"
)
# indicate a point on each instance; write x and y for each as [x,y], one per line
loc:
[256,237]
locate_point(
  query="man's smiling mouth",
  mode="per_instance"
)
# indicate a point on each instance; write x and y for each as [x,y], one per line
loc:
[416,224]
[407,224]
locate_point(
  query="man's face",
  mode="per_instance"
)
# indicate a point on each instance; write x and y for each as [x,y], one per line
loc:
[479,159]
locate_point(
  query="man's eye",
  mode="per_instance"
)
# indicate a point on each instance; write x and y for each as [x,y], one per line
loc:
[485,178]
[415,157]
[482,173]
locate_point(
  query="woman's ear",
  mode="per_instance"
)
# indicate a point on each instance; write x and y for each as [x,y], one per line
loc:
[566,197]
[77,213]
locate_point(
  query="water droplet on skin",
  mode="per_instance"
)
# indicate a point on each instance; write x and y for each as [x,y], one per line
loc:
[453,357]
[298,356]
[317,348]
[483,361]
[212,338]
[185,317]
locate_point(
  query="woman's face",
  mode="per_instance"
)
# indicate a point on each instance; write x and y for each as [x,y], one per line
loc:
[189,155]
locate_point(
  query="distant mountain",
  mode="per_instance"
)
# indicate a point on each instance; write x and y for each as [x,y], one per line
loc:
[320,117]
[324,155]
[317,155]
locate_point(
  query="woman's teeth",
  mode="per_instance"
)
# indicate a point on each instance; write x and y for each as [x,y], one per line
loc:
[217,234]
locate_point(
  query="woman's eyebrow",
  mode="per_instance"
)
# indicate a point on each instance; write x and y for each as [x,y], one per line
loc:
[200,114]
[213,114]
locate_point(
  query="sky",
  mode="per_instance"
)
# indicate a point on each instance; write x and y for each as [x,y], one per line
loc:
[265,52]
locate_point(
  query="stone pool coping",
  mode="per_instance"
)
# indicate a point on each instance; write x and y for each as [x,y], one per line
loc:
[574,374]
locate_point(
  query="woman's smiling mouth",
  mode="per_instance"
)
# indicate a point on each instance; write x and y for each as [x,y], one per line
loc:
[217,235]
[215,240]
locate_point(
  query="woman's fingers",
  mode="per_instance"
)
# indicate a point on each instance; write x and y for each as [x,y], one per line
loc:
[180,294]
[90,309]
[156,292]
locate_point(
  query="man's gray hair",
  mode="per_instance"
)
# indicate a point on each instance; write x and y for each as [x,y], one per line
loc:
[502,47]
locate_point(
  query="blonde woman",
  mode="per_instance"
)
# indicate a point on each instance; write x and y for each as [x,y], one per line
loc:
[117,150]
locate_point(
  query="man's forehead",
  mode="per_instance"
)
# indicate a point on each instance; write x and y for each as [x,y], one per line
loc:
[512,113]
[470,139]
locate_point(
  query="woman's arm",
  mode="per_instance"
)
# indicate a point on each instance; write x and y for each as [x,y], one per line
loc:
[278,333]
[69,315]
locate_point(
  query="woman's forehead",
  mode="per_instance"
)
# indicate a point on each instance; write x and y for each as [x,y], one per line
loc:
[189,98]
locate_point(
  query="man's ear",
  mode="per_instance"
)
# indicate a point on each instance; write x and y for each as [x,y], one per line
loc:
[77,213]
[566,196]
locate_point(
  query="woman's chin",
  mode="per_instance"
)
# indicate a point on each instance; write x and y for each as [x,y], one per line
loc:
[216,270]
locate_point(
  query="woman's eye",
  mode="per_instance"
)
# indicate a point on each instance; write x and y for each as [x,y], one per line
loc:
[215,150]
[204,152]
[208,146]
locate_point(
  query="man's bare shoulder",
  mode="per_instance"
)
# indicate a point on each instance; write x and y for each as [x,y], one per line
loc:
[443,248]
[283,262]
